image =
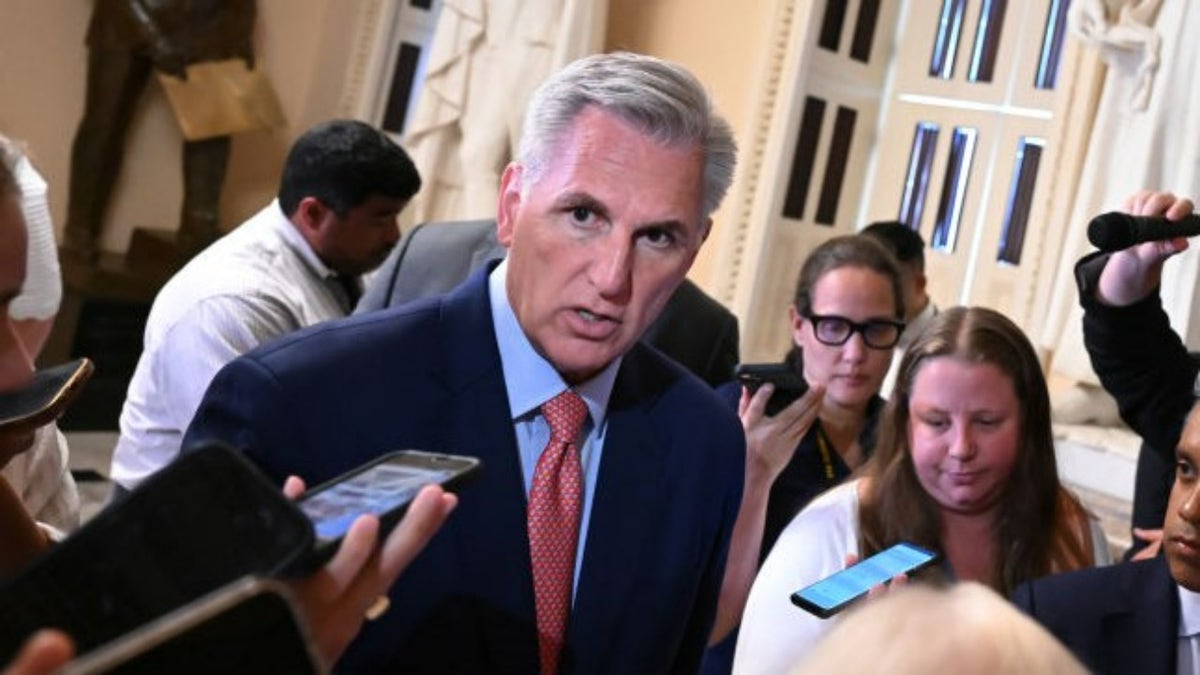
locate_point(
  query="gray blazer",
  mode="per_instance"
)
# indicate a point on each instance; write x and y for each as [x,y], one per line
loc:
[694,329]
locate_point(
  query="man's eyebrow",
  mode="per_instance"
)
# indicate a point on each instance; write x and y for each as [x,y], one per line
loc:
[575,199]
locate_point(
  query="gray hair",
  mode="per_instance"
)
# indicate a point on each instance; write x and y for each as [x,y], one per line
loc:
[661,98]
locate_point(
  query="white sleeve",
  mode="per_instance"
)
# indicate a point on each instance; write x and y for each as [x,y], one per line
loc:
[42,477]
[42,291]
[775,634]
[211,334]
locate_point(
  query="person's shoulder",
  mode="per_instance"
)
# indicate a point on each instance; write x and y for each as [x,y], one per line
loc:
[1102,586]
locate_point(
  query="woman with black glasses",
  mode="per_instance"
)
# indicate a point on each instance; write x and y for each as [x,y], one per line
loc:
[846,317]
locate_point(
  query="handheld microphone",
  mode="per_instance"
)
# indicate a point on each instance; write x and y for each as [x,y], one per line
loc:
[1114,231]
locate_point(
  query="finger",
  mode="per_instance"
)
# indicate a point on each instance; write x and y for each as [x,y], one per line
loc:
[757,407]
[851,559]
[1155,203]
[355,551]
[45,652]
[1179,209]
[900,581]
[293,487]
[1147,535]
[424,518]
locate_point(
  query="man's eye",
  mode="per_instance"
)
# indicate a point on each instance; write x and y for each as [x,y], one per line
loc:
[659,238]
[581,214]
[1185,469]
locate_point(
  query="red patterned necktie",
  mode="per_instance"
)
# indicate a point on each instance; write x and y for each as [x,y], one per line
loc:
[555,502]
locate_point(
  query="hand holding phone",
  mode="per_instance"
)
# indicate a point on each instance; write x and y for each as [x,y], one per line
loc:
[789,385]
[45,397]
[841,589]
[383,487]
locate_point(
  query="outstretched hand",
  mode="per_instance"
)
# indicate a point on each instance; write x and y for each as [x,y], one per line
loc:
[1133,273]
[335,599]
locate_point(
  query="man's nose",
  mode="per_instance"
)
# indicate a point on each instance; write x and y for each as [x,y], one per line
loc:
[612,268]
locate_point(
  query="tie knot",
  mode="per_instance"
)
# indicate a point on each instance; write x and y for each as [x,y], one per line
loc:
[565,414]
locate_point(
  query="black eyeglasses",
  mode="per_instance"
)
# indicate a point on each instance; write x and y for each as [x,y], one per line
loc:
[834,330]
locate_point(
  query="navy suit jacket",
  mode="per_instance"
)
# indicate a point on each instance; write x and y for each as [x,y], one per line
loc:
[1121,618]
[427,375]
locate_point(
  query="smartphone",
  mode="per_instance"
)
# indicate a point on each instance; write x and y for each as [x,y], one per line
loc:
[203,521]
[789,385]
[46,396]
[383,487]
[837,591]
[248,627]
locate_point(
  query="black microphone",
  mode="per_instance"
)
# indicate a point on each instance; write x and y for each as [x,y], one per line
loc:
[1114,231]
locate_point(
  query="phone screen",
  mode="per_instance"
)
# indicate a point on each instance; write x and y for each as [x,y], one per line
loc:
[831,594]
[378,490]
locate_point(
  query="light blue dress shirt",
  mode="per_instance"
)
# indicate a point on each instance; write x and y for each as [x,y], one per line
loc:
[530,381]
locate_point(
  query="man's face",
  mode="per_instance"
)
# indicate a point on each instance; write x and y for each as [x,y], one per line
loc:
[1181,529]
[16,368]
[360,241]
[599,239]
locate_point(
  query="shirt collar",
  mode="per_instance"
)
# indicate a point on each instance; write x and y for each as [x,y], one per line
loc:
[530,380]
[295,241]
[1189,612]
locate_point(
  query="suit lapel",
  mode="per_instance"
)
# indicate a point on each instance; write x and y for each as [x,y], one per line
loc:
[491,514]
[1139,635]
[628,491]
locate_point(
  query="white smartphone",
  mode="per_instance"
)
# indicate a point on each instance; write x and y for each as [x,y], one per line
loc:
[249,626]
[839,590]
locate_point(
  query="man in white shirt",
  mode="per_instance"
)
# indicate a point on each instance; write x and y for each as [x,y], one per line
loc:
[1140,616]
[296,263]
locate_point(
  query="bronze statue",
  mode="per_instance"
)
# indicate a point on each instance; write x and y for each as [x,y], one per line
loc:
[127,39]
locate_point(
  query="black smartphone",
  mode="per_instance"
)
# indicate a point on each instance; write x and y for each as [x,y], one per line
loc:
[250,626]
[203,521]
[45,397]
[839,590]
[383,487]
[789,385]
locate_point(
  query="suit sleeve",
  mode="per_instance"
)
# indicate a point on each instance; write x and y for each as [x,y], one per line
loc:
[1139,359]
[245,407]
[695,638]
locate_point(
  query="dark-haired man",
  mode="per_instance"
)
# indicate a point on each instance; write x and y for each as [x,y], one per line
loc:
[295,263]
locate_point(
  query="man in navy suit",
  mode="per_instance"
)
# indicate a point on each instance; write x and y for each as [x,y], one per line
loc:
[1139,616]
[1143,616]
[621,163]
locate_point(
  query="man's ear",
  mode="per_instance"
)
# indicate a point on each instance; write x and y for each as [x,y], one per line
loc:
[311,216]
[510,202]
